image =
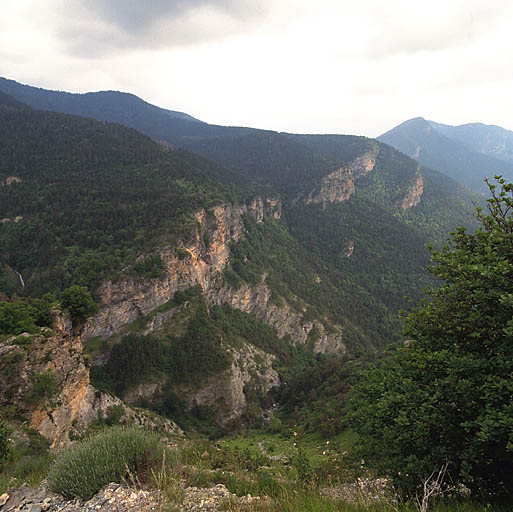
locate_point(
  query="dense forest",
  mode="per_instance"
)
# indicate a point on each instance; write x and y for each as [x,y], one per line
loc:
[81,200]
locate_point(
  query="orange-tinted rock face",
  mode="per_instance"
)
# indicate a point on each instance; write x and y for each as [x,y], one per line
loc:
[58,356]
[69,403]
[414,195]
[339,185]
[189,264]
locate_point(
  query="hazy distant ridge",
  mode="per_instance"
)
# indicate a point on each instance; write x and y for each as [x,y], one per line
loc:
[467,153]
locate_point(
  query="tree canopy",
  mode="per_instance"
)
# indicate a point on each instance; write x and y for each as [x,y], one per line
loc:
[446,395]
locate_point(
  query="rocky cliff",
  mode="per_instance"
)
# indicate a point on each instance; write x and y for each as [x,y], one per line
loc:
[413,196]
[224,393]
[339,185]
[286,320]
[200,260]
[45,379]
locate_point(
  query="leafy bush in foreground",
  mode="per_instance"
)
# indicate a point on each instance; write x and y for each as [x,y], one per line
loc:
[446,396]
[107,457]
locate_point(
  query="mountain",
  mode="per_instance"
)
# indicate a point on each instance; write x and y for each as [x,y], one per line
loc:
[215,281]
[467,157]
[113,106]
[489,140]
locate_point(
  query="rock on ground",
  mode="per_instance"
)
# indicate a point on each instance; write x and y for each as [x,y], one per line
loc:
[121,498]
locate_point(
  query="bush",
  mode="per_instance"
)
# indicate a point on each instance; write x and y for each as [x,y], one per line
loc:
[78,301]
[446,396]
[43,388]
[107,457]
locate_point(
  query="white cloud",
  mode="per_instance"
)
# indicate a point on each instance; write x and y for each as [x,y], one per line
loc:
[290,65]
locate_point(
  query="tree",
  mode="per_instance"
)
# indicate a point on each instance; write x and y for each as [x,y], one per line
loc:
[447,395]
[78,301]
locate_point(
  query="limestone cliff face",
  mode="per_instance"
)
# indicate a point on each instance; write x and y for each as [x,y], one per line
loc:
[286,321]
[46,379]
[224,393]
[198,261]
[97,403]
[336,187]
[413,196]
[339,185]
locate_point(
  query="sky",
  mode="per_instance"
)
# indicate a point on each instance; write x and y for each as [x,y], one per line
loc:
[305,66]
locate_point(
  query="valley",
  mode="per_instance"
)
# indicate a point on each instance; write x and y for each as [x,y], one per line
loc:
[225,287]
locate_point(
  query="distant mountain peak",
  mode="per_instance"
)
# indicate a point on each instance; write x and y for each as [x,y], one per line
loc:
[468,153]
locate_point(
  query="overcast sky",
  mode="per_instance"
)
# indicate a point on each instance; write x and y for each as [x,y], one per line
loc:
[309,66]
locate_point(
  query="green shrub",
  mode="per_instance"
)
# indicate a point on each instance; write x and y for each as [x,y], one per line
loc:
[107,457]
[43,388]
[149,267]
[78,301]
[114,414]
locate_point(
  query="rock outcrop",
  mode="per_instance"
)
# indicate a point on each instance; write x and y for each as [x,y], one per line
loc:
[10,180]
[224,393]
[45,379]
[339,185]
[413,196]
[287,321]
[198,261]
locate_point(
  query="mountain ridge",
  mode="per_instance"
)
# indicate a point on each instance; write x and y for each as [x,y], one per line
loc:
[420,139]
[194,265]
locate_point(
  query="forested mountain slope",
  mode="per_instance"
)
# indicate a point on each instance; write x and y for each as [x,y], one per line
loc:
[438,148]
[82,199]
[113,106]
[214,287]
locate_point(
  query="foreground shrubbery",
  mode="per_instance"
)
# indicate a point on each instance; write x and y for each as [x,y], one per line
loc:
[107,457]
[445,398]
[320,478]
[26,458]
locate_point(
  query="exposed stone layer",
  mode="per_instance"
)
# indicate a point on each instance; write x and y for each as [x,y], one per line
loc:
[199,261]
[286,321]
[414,195]
[46,378]
[339,185]
[224,393]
